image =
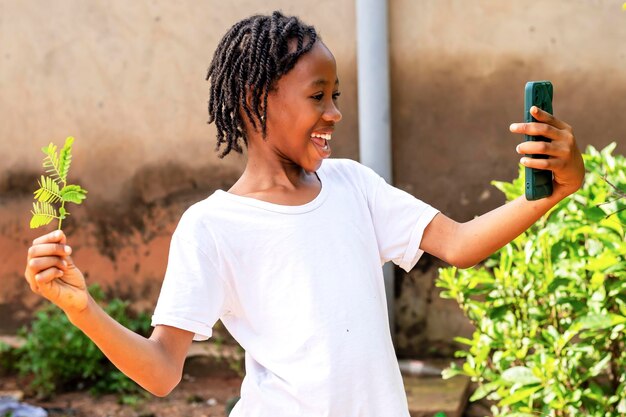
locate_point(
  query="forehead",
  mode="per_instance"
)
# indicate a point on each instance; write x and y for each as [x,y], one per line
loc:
[315,68]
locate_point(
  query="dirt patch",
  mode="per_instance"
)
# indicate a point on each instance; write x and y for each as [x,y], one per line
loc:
[196,396]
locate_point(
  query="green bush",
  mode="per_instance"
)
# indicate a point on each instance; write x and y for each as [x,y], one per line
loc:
[58,356]
[550,307]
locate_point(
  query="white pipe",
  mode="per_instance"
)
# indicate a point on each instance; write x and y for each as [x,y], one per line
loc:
[374,105]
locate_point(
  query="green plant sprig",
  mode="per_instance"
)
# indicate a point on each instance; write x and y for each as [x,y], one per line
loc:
[53,187]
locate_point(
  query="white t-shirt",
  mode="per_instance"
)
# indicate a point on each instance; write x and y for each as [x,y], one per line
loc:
[301,289]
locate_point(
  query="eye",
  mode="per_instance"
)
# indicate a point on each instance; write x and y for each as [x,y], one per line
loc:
[317,96]
[336,95]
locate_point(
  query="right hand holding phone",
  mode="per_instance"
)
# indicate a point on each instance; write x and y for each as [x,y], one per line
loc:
[51,273]
[565,159]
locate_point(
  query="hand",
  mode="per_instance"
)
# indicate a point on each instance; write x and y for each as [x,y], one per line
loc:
[565,160]
[51,273]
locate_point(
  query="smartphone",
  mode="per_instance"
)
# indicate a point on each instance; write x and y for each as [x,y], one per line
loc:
[538,181]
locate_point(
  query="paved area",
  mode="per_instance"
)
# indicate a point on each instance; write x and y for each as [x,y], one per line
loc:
[430,395]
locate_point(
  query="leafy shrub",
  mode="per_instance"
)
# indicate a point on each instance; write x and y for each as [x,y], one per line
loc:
[550,307]
[58,356]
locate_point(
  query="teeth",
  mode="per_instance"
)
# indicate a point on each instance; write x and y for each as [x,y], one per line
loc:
[326,136]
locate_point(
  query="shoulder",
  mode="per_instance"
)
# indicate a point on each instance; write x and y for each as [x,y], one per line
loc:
[198,220]
[352,172]
[348,167]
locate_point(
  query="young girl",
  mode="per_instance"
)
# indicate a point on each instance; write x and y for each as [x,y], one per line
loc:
[290,257]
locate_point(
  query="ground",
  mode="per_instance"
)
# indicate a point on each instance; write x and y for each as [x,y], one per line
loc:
[199,394]
[204,396]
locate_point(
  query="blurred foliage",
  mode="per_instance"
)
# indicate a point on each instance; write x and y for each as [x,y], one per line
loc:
[550,307]
[57,356]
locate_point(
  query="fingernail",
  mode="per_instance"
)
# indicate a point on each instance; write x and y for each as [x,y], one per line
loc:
[64,264]
[57,233]
[517,149]
[68,250]
[513,126]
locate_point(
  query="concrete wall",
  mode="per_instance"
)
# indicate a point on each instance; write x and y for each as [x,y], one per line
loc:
[127,80]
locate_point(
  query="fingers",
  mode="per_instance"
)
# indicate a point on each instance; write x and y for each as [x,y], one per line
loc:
[47,259]
[549,164]
[545,117]
[552,149]
[560,149]
[46,276]
[542,129]
[546,125]
[49,249]
[53,237]
[38,265]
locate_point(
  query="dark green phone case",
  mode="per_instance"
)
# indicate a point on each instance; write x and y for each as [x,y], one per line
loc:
[538,181]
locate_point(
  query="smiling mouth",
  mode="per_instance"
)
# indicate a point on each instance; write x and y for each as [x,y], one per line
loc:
[321,140]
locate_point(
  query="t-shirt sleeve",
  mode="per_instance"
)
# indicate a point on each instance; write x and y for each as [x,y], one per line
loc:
[193,294]
[399,221]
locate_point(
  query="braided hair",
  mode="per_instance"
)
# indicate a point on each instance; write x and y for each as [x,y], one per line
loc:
[248,61]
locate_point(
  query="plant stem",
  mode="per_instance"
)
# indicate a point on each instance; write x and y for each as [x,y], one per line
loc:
[60,218]
[62,208]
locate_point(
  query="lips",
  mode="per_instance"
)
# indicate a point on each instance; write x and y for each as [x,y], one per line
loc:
[321,141]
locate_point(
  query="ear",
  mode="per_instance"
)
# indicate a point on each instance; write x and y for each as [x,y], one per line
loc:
[251,117]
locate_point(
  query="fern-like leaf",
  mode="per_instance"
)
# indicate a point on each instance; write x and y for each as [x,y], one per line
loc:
[48,191]
[73,194]
[51,162]
[65,159]
[43,214]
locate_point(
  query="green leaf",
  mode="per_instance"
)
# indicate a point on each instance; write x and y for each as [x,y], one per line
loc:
[596,369]
[520,375]
[51,162]
[558,282]
[65,159]
[598,321]
[499,312]
[603,262]
[519,395]
[73,194]
[464,341]
[48,191]
[452,371]
[43,214]
[483,390]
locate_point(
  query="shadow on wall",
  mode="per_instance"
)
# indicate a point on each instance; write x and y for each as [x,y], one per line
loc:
[121,244]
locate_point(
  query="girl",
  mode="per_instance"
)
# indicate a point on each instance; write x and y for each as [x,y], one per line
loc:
[290,257]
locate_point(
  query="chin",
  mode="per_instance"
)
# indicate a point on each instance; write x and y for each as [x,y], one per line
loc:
[317,165]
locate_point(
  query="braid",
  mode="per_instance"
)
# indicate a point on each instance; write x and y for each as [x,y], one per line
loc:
[249,60]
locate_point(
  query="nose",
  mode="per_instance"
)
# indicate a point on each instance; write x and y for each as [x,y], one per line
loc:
[332,113]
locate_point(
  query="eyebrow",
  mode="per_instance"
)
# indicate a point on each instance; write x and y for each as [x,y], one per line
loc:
[322,82]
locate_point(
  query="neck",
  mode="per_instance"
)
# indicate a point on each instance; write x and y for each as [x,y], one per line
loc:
[266,171]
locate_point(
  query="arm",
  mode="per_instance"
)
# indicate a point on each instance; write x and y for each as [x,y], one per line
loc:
[155,363]
[466,244]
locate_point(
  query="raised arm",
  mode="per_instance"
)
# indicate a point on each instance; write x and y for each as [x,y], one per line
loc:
[466,244]
[155,363]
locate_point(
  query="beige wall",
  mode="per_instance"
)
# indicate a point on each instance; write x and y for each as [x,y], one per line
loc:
[127,80]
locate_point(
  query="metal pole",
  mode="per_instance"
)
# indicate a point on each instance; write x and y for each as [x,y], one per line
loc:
[374,105]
